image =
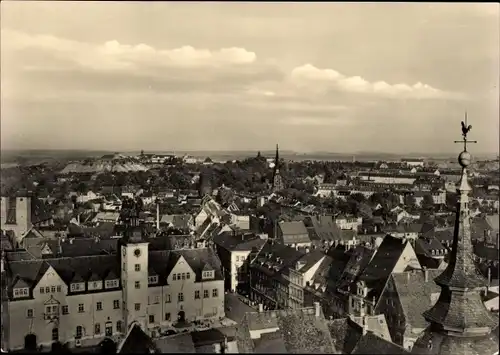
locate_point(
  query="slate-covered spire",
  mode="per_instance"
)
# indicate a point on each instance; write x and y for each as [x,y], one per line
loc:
[459,321]
[277,179]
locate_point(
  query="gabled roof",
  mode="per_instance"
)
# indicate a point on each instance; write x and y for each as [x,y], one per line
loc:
[136,341]
[369,343]
[232,242]
[379,269]
[299,331]
[415,294]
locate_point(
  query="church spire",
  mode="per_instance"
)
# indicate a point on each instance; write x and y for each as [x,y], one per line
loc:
[459,321]
[277,179]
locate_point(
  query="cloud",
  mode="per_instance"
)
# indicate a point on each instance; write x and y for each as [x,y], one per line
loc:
[113,55]
[308,75]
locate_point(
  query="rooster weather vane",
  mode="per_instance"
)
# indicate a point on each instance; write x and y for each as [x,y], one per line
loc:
[465,130]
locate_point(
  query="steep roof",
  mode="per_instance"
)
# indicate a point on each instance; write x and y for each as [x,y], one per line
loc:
[369,343]
[232,242]
[136,341]
[414,293]
[299,331]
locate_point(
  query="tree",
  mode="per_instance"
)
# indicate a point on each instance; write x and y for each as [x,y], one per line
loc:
[358,197]
[409,200]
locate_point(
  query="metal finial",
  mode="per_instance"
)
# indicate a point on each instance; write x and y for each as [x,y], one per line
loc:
[465,158]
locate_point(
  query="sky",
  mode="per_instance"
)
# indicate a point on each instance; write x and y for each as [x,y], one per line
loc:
[336,77]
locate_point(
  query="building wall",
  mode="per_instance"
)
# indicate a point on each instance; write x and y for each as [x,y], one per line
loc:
[20,325]
[23,216]
[239,268]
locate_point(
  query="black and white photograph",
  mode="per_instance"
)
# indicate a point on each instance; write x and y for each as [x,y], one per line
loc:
[249,177]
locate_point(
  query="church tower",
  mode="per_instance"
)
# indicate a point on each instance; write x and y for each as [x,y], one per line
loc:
[459,321]
[277,179]
[134,273]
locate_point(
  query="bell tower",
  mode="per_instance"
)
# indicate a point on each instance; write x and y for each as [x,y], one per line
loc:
[277,178]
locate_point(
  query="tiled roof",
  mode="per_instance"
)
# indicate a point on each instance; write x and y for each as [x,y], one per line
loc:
[487,252]
[82,268]
[369,343]
[415,294]
[359,258]
[299,331]
[292,228]
[382,264]
[180,343]
[136,341]
[231,242]
[88,246]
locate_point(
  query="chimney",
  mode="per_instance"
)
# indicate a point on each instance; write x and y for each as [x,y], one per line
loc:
[261,308]
[426,274]
[489,279]
[157,216]
[317,309]
[364,325]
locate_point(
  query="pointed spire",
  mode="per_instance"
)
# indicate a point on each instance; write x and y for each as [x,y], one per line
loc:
[459,312]
[277,158]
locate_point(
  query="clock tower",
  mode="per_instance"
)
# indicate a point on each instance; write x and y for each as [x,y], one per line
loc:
[134,276]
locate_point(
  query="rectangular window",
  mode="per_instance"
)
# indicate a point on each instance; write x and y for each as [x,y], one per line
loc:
[215,292]
[58,288]
[119,326]
[123,266]
[137,284]
[167,298]
[180,297]
[97,328]
[183,275]
[81,308]
[167,316]
[47,289]
[151,319]
[174,277]
[42,290]
[205,293]
[137,306]
[99,306]
[116,304]
[137,267]
[29,313]
[65,310]
[109,330]
[214,311]
[53,289]
[178,276]
[79,332]
[188,275]
[196,295]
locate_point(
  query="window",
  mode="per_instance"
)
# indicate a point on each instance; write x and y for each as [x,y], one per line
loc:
[152,279]
[205,293]
[97,328]
[119,326]
[137,306]
[196,295]
[49,310]
[76,287]
[81,308]
[42,290]
[58,288]
[99,306]
[137,284]
[21,292]
[109,329]
[29,313]
[180,297]
[123,266]
[188,275]
[79,332]
[214,311]
[53,289]
[167,316]
[174,277]
[178,276]
[215,292]
[116,304]
[55,334]
[137,267]
[65,310]
[167,298]
[183,275]
[208,274]
[151,318]
[111,283]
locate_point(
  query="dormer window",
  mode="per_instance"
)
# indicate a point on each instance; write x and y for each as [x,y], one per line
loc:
[111,283]
[77,287]
[153,280]
[206,275]
[95,285]
[21,292]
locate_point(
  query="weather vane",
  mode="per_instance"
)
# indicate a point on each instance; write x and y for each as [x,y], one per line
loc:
[465,130]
